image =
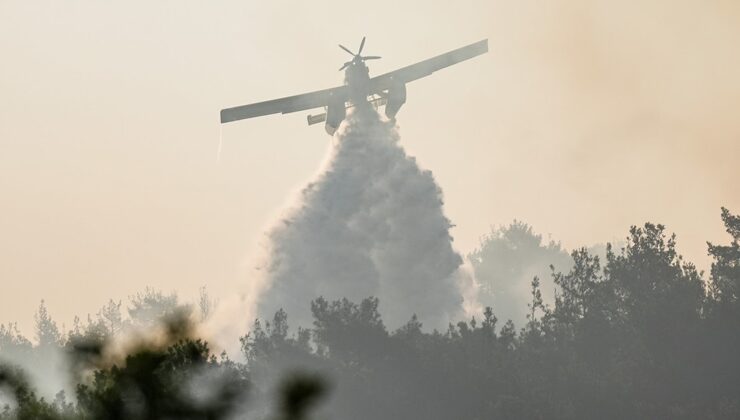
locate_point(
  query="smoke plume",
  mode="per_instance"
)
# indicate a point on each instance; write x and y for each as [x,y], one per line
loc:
[370,224]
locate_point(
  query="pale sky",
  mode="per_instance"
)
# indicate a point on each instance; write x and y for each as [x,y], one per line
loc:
[585,117]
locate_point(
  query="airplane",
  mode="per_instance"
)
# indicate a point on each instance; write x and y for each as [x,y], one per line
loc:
[359,89]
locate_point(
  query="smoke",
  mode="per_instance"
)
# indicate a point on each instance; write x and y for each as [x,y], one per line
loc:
[370,224]
[46,369]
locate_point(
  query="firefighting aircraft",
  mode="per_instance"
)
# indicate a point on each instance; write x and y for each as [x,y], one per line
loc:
[387,90]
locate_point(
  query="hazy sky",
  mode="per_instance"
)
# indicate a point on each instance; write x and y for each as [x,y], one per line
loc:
[586,117]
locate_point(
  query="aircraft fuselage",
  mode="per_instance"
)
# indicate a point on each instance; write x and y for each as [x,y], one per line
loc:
[359,90]
[357,79]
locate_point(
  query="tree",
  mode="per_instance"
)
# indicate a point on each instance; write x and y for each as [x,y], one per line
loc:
[722,333]
[205,304]
[350,332]
[27,405]
[725,275]
[47,332]
[631,335]
[505,263]
[111,318]
[13,345]
[149,307]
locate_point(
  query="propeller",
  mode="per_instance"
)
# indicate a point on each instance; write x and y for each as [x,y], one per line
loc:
[357,58]
[347,49]
[362,45]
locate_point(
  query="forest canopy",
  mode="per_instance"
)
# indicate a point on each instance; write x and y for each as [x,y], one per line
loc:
[637,332]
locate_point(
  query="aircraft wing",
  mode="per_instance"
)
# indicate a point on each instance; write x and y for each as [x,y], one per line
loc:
[427,67]
[317,99]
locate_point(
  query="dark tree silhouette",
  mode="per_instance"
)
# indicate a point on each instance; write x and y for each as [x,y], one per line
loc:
[634,333]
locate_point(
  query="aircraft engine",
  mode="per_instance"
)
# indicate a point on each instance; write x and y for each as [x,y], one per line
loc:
[396,98]
[335,115]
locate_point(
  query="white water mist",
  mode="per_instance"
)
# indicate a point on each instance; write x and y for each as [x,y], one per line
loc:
[370,224]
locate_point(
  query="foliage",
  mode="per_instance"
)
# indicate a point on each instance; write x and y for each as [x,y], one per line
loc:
[151,305]
[635,333]
[505,263]
[157,384]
